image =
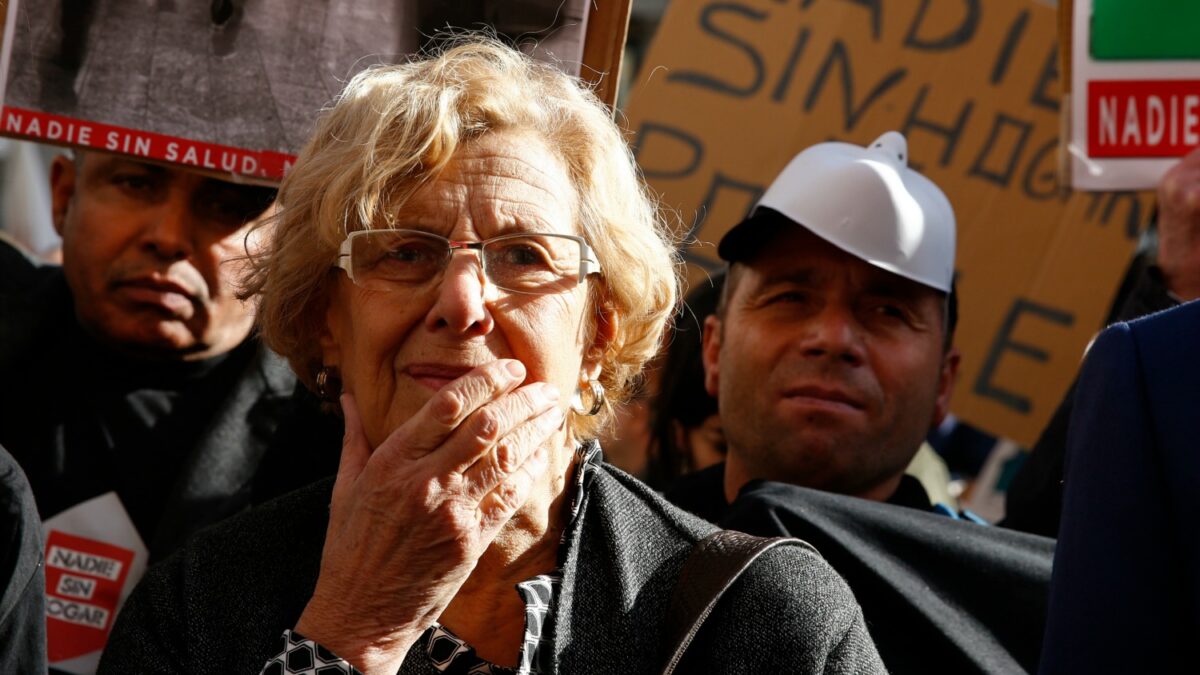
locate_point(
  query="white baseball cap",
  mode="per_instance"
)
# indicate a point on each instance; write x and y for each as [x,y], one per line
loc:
[865,201]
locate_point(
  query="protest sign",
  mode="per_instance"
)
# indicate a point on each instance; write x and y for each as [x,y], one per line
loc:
[94,558]
[1135,90]
[233,87]
[732,89]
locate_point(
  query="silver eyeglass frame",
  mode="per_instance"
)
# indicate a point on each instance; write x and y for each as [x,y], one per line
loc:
[589,264]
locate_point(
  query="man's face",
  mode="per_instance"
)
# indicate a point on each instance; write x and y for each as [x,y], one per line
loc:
[829,371]
[147,254]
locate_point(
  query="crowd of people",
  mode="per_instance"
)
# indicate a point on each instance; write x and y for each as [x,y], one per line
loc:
[355,421]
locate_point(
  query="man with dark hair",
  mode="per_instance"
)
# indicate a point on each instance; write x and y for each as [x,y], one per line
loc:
[139,404]
[1126,547]
[831,357]
[139,373]
[831,351]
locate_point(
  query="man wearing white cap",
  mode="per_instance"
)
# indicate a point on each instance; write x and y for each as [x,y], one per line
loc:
[831,358]
[830,354]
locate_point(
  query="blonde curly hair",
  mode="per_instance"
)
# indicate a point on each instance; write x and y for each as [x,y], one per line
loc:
[393,128]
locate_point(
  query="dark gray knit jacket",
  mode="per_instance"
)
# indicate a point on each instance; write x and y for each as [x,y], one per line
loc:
[221,604]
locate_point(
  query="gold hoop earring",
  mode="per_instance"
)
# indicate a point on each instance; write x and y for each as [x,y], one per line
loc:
[329,384]
[597,395]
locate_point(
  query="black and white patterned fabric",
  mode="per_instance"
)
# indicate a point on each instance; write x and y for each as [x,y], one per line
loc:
[589,458]
[446,651]
[540,595]
[299,655]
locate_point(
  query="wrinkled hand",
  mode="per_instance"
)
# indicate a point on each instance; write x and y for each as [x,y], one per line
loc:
[1179,227]
[409,521]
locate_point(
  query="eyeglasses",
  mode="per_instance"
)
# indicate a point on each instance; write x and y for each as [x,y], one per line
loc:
[532,263]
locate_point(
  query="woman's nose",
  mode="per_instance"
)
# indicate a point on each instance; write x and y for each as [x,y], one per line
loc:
[463,297]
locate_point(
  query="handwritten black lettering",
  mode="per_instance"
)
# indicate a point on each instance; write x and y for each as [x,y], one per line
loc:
[1004,342]
[1001,175]
[838,54]
[785,78]
[708,24]
[1009,46]
[951,133]
[876,8]
[682,141]
[960,35]
[1045,91]
[1040,181]
[723,185]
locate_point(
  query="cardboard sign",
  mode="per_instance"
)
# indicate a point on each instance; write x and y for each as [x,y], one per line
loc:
[233,87]
[94,558]
[731,90]
[1135,90]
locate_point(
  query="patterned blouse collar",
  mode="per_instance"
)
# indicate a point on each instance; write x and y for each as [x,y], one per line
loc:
[453,656]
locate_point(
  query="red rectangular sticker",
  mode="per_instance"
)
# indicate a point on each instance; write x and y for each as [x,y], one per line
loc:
[84,578]
[1143,118]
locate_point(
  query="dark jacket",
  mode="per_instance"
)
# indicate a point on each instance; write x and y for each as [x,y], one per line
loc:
[22,576]
[222,603]
[228,455]
[1125,595]
[939,595]
[702,493]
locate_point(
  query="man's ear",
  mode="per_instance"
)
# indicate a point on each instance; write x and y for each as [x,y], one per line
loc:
[946,380]
[62,189]
[711,354]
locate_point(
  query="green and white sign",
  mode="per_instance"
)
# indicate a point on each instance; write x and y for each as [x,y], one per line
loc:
[1135,94]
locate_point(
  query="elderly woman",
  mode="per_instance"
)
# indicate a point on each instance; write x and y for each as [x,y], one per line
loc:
[466,253]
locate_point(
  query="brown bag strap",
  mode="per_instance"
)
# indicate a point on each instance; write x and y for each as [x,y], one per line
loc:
[714,564]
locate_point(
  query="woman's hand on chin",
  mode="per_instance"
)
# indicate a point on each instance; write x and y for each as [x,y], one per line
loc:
[410,520]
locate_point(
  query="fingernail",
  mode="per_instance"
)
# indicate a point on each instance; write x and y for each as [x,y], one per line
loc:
[516,369]
[550,392]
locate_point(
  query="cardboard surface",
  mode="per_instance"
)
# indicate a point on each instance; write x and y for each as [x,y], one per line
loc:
[731,90]
[1135,90]
[233,88]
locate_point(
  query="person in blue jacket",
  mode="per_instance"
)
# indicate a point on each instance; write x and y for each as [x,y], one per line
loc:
[1124,595]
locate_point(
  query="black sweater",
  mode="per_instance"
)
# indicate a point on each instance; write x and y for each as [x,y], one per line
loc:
[222,603]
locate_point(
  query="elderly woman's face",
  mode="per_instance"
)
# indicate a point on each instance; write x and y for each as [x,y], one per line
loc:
[395,348]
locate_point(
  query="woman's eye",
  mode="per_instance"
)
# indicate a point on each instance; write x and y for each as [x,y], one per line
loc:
[409,254]
[523,255]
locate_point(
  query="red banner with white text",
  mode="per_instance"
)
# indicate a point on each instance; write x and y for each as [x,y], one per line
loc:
[110,138]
